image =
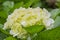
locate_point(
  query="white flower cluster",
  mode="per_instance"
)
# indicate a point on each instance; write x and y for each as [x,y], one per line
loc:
[23,17]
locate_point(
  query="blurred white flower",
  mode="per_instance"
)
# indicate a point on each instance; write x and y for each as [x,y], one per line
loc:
[23,17]
[48,23]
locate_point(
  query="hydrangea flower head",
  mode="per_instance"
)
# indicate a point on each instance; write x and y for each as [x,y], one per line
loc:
[23,17]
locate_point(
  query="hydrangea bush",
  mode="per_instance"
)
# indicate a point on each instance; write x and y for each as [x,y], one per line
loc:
[27,17]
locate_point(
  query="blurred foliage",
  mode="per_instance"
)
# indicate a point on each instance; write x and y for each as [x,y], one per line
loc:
[53,6]
[2,36]
[53,34]
[55,13]
[36,28]
[10,38]
[57,21]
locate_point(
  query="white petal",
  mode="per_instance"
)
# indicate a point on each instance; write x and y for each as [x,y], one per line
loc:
[48,22]
[11,32]
[15,34]
[23,23]
[46,13]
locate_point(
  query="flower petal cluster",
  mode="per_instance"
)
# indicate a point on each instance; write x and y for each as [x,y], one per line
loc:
[23,17]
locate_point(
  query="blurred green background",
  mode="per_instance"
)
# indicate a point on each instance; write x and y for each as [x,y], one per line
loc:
[8,6]
[53,6]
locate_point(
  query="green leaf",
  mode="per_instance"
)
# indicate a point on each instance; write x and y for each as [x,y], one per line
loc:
[2,36]
[29,3]
[55,12]
[17,5]
[3,14]
[10,38]
[57,21]
[39,4]
[4,31]
[1,26]
[2,20]
[7,5]
[34,29]
[53,34]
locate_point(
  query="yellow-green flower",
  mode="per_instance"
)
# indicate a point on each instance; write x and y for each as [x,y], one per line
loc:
[23,17]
